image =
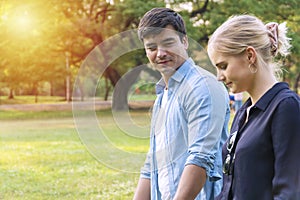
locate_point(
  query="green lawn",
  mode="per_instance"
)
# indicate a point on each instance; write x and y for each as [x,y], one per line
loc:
[30,99]
[58,99]
[42,157]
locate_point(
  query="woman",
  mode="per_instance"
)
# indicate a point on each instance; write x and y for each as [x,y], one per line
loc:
[260,158]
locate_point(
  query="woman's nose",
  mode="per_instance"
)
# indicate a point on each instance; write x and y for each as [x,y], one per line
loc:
[220,76]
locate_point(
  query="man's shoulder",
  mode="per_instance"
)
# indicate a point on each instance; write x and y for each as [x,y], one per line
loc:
[198,71]
[200,75]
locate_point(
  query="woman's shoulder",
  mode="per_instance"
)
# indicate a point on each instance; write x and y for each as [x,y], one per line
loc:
[286,94]
[287,101]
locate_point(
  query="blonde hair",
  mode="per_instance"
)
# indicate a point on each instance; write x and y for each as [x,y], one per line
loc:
[239,32]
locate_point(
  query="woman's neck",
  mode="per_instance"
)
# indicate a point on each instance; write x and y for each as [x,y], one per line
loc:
[260,87]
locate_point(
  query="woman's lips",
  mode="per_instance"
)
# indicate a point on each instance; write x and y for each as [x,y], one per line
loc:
[228,84]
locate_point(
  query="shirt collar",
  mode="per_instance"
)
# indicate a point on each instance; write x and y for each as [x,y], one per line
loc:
[265,100]
[177,76]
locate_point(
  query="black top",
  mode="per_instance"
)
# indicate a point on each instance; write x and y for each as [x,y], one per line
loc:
[267,155]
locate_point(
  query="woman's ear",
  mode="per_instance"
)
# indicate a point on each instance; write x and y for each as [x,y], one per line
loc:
[251,54]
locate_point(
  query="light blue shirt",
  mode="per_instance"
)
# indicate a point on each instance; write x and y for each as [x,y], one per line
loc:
[195,128]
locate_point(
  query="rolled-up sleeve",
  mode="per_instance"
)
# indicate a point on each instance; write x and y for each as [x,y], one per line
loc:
[146,169]
[207,113]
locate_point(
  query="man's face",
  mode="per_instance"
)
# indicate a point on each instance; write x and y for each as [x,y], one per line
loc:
[166,51]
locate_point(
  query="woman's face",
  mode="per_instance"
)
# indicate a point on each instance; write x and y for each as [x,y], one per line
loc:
[233,70]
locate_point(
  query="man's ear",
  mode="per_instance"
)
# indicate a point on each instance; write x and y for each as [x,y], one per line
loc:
[185,41]
[251,54]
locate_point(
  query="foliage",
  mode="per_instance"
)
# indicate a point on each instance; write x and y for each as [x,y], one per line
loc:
[37,36]
[208,15]
[27,59]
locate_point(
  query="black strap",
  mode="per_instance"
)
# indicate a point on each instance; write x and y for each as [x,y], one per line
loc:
[241,125]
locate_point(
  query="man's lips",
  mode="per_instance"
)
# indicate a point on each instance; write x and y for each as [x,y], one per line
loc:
[163,61]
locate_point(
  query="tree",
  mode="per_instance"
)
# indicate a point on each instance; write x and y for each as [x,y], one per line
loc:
[93,22]
[27,55]
[37,36]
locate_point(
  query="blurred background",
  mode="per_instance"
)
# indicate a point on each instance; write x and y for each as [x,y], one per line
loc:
[44,42]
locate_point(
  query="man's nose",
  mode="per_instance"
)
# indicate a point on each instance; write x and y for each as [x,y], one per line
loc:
[161,52]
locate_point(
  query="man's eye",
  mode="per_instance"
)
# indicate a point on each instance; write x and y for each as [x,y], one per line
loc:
[168,44]
[151,48]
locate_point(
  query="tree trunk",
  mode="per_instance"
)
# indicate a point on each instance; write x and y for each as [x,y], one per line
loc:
[35,91]
[68,97]
[81,92]
[120,94]
[11,93]
[51,89]
[107,89]
[112,74]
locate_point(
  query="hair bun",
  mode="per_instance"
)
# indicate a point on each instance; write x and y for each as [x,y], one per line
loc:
[280,43]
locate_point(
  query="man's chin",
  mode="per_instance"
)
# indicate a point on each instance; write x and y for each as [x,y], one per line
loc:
[167,72]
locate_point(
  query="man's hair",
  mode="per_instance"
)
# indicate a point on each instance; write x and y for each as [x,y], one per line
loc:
[156,19]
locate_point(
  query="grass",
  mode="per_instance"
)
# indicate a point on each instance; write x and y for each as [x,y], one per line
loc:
[30,99]
[29,115]
[139,97]
[58,99]
[42,157]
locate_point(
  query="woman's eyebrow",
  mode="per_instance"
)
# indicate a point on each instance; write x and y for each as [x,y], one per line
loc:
[220,64]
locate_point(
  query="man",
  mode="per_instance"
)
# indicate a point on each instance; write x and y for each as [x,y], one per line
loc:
[189,120]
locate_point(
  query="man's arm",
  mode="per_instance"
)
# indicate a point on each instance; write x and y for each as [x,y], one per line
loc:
[191,182]
[143,190]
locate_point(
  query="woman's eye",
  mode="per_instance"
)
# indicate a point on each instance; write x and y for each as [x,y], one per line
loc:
[223,67]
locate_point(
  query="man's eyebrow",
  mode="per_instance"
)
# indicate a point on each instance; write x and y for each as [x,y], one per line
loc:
[150,44]
[169,39]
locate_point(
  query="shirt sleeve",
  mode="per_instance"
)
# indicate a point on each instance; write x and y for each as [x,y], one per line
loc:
[145,171]
[207,113]
[286,142]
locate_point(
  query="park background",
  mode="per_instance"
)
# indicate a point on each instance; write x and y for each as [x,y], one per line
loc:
[43,45]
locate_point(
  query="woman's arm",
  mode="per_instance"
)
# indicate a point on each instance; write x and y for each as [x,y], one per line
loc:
[286,143]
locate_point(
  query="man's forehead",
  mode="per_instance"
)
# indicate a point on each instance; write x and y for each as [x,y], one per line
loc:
[165,35]
[159,39]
